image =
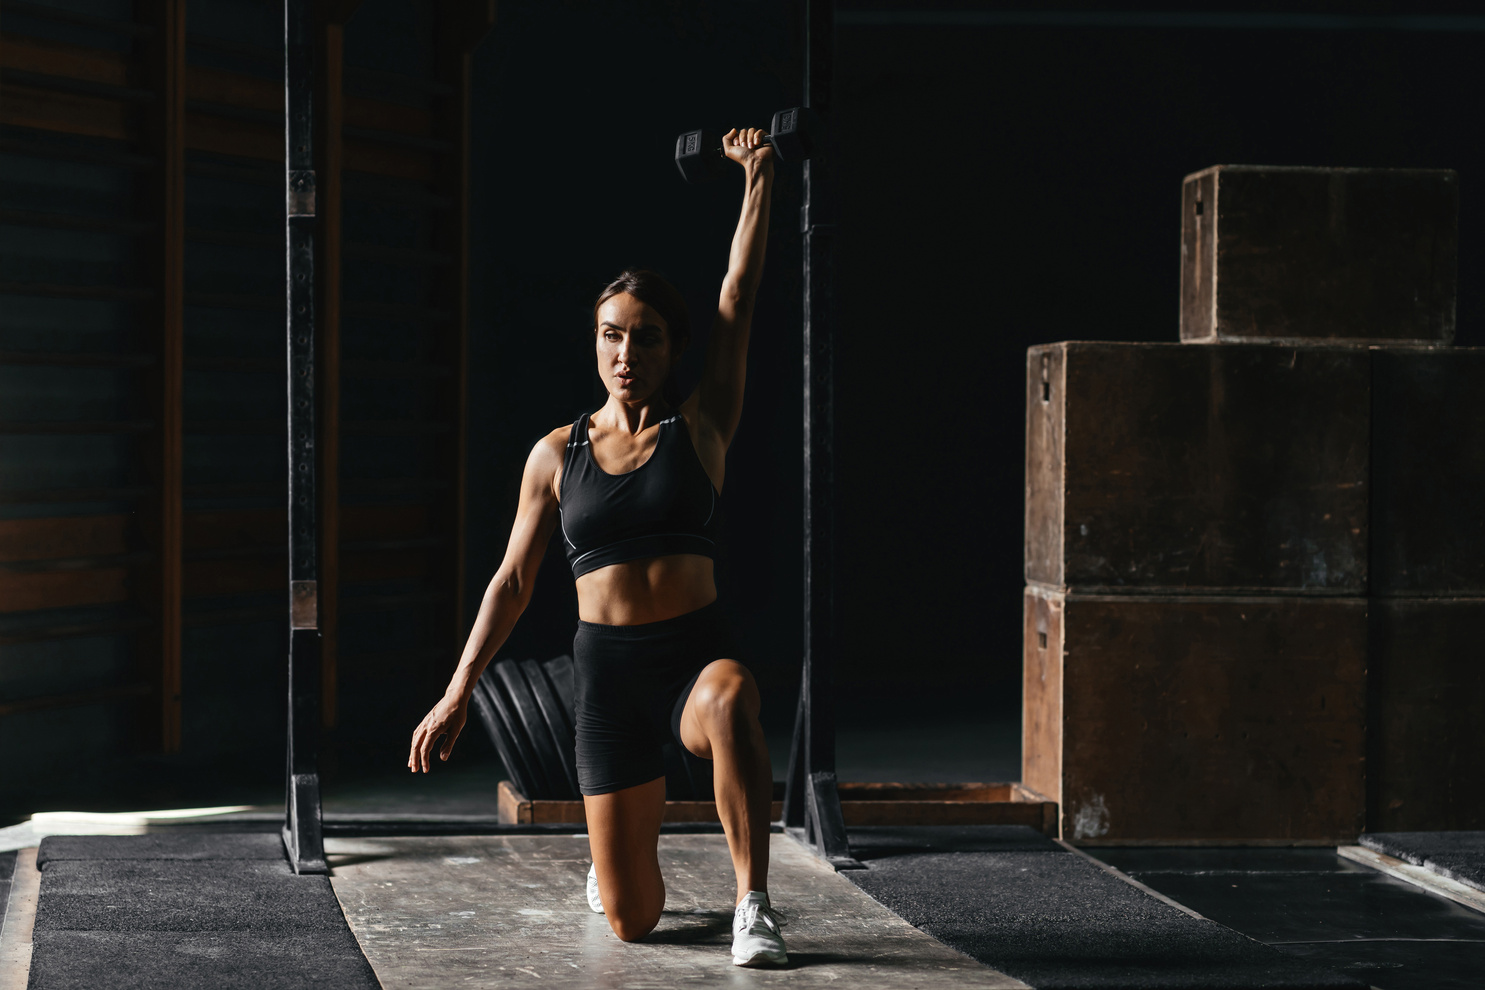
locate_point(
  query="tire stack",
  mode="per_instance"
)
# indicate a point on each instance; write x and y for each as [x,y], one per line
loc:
[1253,557]
[529,712]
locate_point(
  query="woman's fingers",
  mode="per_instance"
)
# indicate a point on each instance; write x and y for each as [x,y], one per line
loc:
[453,730]
[417,740]
[425,751]
[423,739]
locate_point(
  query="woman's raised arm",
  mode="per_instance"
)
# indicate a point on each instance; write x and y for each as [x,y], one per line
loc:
[719,395]
[505,599]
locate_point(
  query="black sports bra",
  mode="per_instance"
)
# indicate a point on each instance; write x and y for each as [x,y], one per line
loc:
[667,505]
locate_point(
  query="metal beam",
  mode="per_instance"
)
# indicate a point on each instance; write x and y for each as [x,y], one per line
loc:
[812,811]
[303,831]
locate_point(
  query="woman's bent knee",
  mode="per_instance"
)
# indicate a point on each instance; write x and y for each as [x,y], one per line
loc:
[726,692]
[631,926]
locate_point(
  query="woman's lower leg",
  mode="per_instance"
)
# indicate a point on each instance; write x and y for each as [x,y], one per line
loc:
[722,715]
[623,832]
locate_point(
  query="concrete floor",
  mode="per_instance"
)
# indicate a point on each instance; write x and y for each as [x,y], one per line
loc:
[510,911]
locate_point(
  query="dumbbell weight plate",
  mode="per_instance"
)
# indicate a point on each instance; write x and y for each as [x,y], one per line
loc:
[560,728]
[792,133]
[531,728]
[697,158]
[516,733]
[497,727]
[559,672]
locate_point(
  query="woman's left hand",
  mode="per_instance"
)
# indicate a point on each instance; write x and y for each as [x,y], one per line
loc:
[747,146]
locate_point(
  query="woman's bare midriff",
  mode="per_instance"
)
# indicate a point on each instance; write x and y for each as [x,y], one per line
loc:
[651,589]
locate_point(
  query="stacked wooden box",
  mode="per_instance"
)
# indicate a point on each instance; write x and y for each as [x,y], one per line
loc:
[1254,567]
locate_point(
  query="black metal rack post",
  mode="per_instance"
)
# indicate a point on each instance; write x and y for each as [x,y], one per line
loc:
[303,831]
[812,811]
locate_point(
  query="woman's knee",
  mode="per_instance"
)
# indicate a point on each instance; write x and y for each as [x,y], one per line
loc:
[632,923]
[726,692]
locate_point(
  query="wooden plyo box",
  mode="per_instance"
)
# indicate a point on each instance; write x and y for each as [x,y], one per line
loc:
[1428,473]
[861,804]
[1196,720]
[1167,469]
[1339,254]
[1426,731]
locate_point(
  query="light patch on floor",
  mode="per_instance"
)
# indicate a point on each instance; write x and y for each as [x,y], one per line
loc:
[502,911]
[17,918]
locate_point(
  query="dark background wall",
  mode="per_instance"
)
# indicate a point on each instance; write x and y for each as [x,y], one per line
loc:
[1005,179]
[1002,184]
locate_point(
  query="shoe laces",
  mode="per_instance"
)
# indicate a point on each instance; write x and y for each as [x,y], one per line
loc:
[754,913]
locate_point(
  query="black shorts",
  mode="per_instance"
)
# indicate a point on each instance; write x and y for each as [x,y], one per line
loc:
[631,687]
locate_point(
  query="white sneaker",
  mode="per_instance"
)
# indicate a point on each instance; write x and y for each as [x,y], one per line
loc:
[593,901]
[755,933]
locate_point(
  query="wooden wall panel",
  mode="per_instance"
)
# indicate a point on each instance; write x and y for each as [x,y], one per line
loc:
[57,58]
[26,591]
[383,522]
[383,159]
[235,529]
[164,68]
[69,536]
[237,575]
[329,144]
[460,26]
[361,566]
[384,116]
[68,113]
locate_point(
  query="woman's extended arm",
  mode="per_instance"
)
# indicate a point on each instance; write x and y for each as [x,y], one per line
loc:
[720,392]
[505,599]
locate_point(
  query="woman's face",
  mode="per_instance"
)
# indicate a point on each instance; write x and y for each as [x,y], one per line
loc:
[633,342]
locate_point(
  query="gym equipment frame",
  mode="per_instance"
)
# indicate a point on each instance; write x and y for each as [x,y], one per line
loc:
[303,831]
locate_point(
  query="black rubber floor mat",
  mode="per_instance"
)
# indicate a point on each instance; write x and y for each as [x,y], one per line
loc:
[163,846]
[187,911]
[1024,905]
[196,960]
[1457,855]
[1323,908]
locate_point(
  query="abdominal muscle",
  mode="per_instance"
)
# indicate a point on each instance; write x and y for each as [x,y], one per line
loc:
[651,589]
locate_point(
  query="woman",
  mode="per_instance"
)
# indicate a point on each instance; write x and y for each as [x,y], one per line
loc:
[633,488]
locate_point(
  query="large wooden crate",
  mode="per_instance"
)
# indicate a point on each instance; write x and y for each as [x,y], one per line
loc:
[1165,469]
[1196,720]
[1426,731]
[861,804]
[1428,473]
[1339,254]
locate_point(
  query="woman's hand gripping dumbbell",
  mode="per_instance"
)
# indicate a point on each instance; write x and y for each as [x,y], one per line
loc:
[701,155]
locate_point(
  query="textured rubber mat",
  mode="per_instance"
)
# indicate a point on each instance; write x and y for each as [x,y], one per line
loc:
[1019,902]
[1457,855]
[1324,908]
[186,911]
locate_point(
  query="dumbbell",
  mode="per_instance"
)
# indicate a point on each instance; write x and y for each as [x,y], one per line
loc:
[699,154]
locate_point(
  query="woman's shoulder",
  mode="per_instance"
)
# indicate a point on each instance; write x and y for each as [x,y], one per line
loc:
[554,442]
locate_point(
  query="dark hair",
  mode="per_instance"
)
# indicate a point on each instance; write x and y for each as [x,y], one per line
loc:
[654,291]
